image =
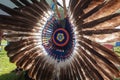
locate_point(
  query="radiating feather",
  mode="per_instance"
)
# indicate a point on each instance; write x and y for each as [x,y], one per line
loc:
[98,21]
[104,31]
[106,37]
[106,51]
[106,74]
[25,2]
[109,24]
[17,3]
[108,9]
[92,5]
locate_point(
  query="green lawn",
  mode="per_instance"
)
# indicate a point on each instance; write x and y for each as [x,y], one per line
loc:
[6,67]
[117,50]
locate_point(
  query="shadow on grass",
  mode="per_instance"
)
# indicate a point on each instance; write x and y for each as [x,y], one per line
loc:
[11,76]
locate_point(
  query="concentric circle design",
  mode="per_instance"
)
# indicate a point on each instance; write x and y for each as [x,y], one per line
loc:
[60,37]
[58,41]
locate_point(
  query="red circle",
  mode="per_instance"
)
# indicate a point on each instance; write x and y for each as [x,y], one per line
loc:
[61,45]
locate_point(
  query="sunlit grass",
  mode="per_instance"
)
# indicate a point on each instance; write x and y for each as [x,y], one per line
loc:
[6,67]
[117,50]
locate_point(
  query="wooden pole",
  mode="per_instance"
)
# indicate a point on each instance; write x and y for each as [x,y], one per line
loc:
[65,9]
[57,11]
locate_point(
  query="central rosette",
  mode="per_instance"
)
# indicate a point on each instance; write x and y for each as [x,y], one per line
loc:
[58,38]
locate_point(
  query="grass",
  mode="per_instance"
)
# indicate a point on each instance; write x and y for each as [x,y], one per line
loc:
[117,50]
[6,67]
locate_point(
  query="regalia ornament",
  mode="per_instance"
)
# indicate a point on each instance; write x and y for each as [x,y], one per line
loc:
[52,47]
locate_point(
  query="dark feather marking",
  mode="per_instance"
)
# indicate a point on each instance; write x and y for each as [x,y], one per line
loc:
[110,64]
[79,10]
[25,2]
[103,70]
[34,1]
[45,3]
[17,13]
[38,9]
[41,69]
[75,68]
[90,12]
[38,68]
[17,3]
[33,71]
[92,72]
[30,11]
[20,53]
[15,45]
[98,21]
[72,4]
[27,56]
[90,61]
[84,67]
[30,60]
[47,72]
[114,58]
[43,6]
[14,28]
[95,64]
[17,51]
[107,63]
[97,32]
[80,75]
[8,20]
[73,72]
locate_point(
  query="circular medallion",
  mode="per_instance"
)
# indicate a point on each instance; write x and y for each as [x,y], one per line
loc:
[57,41]
[60,37]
